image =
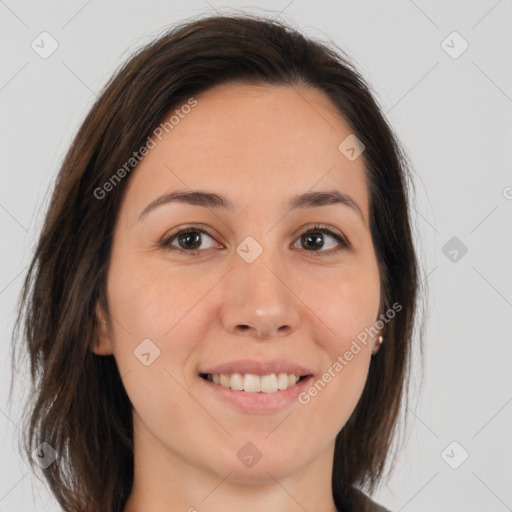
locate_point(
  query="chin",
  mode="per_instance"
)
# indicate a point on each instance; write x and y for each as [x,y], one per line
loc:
[267,468]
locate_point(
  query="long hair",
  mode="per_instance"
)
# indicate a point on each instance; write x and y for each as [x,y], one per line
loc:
[78,404]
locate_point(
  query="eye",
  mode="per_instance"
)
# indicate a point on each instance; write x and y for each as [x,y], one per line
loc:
[188,240]
[313,238]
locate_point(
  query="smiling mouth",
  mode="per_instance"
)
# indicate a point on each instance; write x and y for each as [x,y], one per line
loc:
[252,383]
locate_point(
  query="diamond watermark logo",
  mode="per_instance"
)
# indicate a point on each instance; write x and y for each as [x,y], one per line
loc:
[44,45]
[249,455]
[249,249]
[44,455]
[351,147]
[454,455]
[454,45]
[454,249]
[146,352]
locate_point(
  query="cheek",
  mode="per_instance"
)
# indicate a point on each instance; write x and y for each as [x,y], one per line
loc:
[149,298]
[347,307]
[144,309]
[347,304]
[149,341]
[350,311]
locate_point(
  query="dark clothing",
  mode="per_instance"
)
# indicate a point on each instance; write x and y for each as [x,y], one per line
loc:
[357,501]
[374,507]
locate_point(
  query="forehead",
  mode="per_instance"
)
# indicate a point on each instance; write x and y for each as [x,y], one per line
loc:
[252,142]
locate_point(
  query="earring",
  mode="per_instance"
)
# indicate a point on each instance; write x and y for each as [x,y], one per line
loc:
[381,339]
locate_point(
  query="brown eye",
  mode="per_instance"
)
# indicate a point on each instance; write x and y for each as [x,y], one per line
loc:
[187,241]
[314,240]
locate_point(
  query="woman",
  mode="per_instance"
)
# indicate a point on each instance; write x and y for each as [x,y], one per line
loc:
[220,307]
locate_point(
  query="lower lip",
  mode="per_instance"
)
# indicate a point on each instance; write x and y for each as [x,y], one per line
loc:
[258,402]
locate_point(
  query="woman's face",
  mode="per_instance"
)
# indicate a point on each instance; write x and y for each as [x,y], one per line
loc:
[251,289]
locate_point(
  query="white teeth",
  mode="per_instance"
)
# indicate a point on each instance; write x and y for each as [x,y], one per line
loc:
[237,381]
[282,381]
[252,383]
[269,383]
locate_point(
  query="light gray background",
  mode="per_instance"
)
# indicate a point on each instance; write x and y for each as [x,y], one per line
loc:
[452,115]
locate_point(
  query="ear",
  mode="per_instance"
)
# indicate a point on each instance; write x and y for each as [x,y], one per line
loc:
[375,344]
[102,344]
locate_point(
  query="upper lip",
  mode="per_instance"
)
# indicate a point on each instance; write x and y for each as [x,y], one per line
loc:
[258,367]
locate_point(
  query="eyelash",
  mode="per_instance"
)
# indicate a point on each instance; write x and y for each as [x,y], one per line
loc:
[318,228]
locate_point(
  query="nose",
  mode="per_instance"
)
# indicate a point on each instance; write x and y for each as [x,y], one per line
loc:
[259,299]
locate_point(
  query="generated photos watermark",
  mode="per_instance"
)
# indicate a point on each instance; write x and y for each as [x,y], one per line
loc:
[343,360]
[165,127]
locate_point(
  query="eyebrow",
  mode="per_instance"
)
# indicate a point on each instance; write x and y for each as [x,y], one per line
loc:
[217,201]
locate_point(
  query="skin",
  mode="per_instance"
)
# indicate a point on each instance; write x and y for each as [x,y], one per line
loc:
[258,145]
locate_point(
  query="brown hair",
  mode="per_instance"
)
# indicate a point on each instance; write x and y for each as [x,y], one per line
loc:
[79,404]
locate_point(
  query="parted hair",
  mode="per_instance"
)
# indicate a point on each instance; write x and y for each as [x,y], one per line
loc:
[77,402]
